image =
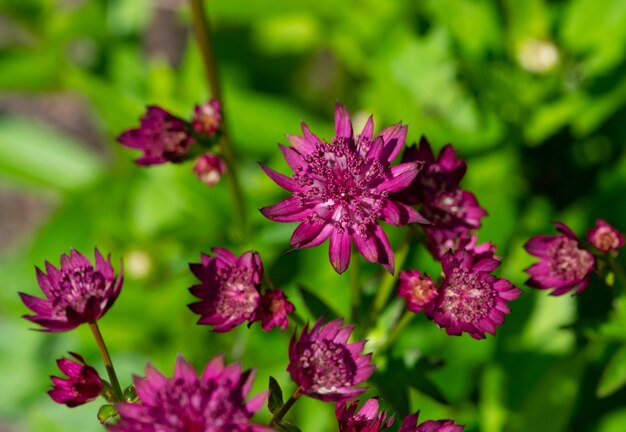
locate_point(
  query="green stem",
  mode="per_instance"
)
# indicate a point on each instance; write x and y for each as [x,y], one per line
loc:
[389,280]
[355,288]
[203,36]
[108,364]
[286,407]
[395,332]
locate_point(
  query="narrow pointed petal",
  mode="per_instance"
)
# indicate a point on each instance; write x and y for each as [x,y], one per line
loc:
[309,235]
[281,180]
[401,176]
[288,210]
[343,124]
[339,251]
[394,137]
[399,214]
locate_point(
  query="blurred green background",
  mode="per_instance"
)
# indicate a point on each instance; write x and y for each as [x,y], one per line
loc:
[531,92]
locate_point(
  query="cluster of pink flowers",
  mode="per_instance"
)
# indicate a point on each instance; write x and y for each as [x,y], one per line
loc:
[164,137]
[566,264]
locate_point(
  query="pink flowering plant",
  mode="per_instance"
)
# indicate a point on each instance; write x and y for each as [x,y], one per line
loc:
[392,265]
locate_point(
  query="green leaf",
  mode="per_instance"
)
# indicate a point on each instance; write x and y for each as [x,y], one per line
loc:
[106,412]
[32,152]
[614,375]
[316,306]
[275,400]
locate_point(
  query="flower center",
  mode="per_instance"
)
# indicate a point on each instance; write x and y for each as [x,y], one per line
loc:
[467,296]
[605,239]
[569,262]
[77,287]
[341,184]
[328,366]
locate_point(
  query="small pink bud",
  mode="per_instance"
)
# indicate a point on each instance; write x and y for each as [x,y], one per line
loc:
[209,169]
[604,237]
[207,118]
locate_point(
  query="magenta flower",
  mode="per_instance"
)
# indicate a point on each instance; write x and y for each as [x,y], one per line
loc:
[470,299]
[228,288]
[207,118]
[76,293]
[368,419]
[604,237]
[340,190]
[213,402]
[273,309]
[418,290]
[209,169]
[563,267]
[161,136]
[83,384]
[409,424]
[325,366]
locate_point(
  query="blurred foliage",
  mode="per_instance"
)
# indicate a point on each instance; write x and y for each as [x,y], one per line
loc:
[532,93]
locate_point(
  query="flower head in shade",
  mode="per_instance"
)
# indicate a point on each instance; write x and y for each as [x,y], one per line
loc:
[409,424]
[604,237]
[367,419]
[418,290]
[161,136]
[76,293]
[439,175]
[341,189]
[273,309]
[228,288]
[213,402]
[470,299]
[209,169]
[82,385]
[207,118]
[325,366]
[563,266]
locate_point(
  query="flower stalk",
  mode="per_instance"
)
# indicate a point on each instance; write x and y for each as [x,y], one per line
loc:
[203,36]
[395,332]
[108,364]
[275,421]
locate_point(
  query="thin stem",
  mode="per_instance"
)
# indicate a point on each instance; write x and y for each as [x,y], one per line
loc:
[286,407]
[395,332]
[389,280]
[203,36]
[108,364]
[355,288]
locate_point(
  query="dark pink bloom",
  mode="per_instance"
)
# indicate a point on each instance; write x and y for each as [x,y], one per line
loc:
[76,293]
[325,366]
[207,118]
[341,189]
[418,290]
[273,309]
[228,288]
[409,424]
[161,136]
[440,175]
[457,208]
[83,384]
[470,299]
[209,169]
[368,419]
[213,402]
[604,237]
[563,267]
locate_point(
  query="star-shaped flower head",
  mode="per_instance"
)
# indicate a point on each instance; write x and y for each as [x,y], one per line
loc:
[341,189]
[367,419]
[470,299]
[76,293]
[161,136]
[563,267]
[213,402]
[325,366]
[228,288]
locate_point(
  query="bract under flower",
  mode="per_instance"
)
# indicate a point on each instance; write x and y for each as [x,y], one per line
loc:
[83,384]
[213,402]
[76,293]
[564,266]
[228,288]
[341,189]
[367,419]
[325,366]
